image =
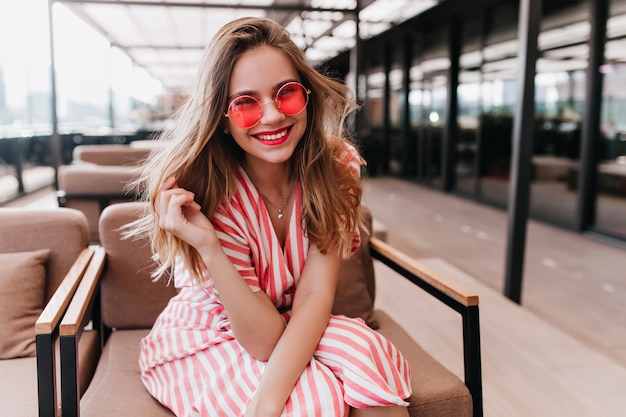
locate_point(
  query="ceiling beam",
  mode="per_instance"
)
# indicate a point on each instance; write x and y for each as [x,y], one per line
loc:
[276,7]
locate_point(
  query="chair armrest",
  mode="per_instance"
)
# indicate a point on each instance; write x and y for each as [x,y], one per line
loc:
[383,251]
[71,329]
[453,295]
[47,329]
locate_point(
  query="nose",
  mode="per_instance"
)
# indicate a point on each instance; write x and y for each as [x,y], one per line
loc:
[271,114]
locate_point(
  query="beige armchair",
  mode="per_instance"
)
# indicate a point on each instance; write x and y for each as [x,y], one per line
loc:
[130,302]
[43,256]
[90,188]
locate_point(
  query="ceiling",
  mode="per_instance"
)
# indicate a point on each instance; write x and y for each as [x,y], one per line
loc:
[167,37]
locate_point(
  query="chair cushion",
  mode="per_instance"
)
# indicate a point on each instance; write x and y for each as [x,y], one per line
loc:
[118,377]
[22,280]
[354,296]
[130,299]
[436,391]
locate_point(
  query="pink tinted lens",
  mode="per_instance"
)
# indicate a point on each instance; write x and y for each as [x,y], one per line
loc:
[245,111]
[291,99]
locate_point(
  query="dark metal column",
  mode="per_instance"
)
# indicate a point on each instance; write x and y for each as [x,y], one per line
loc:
[16,154]
[55,139]
[356,55]
[472,357]
[46,374]
[591,123]
[450,128]
[518,204]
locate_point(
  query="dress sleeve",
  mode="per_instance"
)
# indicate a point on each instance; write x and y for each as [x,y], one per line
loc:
[351,157]
[236,247]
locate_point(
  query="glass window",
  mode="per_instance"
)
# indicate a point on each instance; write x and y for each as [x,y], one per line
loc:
[559,110]
[611,174]
[498,99]
[559,104]
[469,105]
[24,69]
[429,89]
[97,90]
[371,132]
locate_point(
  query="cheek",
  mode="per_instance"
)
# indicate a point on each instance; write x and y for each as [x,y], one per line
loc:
[303,120]
[239,136]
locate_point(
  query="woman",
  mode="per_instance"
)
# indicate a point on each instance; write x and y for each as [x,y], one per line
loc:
[255,203]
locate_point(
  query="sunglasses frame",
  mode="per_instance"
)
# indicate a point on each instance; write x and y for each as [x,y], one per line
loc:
[307,92]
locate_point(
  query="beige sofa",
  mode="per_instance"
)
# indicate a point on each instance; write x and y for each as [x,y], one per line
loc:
[130,302]
[43,256]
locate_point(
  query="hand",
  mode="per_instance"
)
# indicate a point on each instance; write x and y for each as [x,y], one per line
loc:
[180,215]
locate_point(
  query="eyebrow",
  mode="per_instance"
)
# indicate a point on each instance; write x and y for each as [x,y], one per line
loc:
[256,93]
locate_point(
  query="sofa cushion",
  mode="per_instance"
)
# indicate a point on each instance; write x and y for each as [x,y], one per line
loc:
[22,280]
[354,296]
[18,393]
[62,230]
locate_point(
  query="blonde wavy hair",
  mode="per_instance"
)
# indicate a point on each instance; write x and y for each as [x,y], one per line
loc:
[204,159]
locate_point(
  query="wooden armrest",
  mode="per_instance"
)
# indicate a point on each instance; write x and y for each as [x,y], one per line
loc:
[463,301]
[46,328]
[421,271]
[71,329]
[75,316]
[51,314]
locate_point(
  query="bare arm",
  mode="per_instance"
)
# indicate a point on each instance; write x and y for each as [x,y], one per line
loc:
[255,321]
[311,311]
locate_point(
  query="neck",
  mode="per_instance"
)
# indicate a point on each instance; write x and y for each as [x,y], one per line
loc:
[271,179]
[276,196]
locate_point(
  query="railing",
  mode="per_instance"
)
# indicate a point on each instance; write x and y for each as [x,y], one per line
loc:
[18,155]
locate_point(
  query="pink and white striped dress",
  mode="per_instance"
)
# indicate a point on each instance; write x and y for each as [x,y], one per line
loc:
[192,363]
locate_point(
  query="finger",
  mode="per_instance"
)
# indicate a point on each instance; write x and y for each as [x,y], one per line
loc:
[191,207]
[172,217]
[164,197]
[168,184]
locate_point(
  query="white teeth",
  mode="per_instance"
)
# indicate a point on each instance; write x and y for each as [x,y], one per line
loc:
[272,137]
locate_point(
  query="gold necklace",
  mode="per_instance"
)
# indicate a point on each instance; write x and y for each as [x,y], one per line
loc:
[280,214]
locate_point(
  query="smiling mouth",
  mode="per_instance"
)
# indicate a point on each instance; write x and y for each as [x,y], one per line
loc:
[273,136]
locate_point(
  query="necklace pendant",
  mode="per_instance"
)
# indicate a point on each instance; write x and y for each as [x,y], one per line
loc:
[280,214]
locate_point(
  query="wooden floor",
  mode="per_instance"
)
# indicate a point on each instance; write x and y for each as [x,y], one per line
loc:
[561,353]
